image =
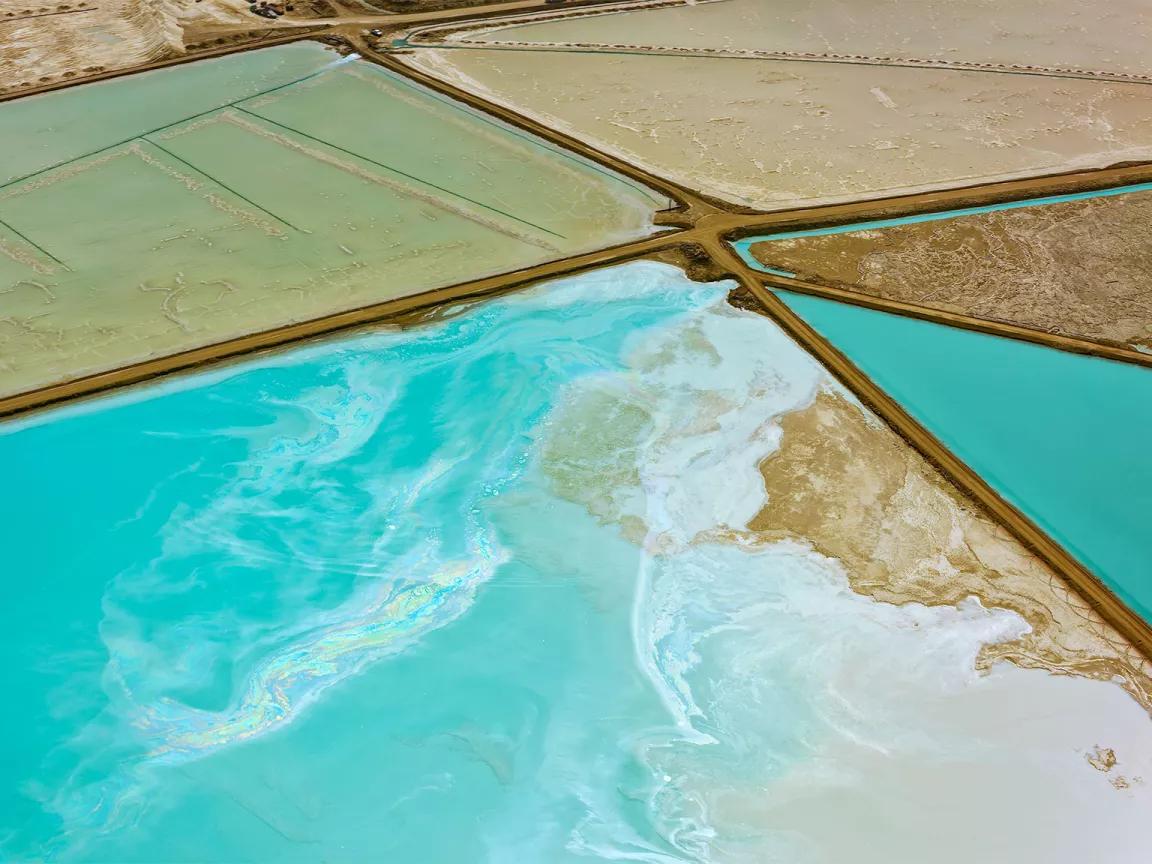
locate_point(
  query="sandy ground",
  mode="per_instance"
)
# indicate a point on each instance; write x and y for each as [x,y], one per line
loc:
[905,535]
[87,37]
[1078,269]
[1008,772]
[832,476]
[45,45]
[1058,33]
[774,134]
[83,39]
[857,493]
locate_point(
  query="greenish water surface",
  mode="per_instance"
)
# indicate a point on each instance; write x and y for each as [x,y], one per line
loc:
[183,207]
[1062,436]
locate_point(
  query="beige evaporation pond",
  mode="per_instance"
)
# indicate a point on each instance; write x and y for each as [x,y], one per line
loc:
[1107,39]
[780,133]
[180,208]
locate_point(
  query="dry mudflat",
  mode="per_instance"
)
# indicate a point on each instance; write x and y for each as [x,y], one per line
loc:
[51,43]
[1079,268]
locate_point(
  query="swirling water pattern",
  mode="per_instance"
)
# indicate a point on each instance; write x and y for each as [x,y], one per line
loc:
[481,591]
[345,520]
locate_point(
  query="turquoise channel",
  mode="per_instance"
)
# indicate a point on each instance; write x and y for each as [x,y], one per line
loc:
[1064,437]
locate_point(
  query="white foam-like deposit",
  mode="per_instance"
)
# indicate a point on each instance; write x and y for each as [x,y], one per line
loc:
[801,713]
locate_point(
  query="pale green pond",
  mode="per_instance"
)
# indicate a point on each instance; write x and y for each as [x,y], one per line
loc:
[178,208]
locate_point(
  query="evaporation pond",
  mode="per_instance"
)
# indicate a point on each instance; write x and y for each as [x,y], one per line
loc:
[1062,436]
[183,207]
[485,590]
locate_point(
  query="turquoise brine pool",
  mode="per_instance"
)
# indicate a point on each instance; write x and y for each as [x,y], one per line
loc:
[1062,436]
[482,591]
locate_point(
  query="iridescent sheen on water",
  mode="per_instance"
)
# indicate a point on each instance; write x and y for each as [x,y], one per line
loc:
[483,590]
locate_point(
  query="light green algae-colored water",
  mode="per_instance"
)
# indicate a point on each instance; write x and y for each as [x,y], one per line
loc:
[341,604]
[1062,436]
[178,208]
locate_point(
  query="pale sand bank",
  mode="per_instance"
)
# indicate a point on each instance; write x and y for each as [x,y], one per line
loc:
[831,475]
[52,43]
[1009,769]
